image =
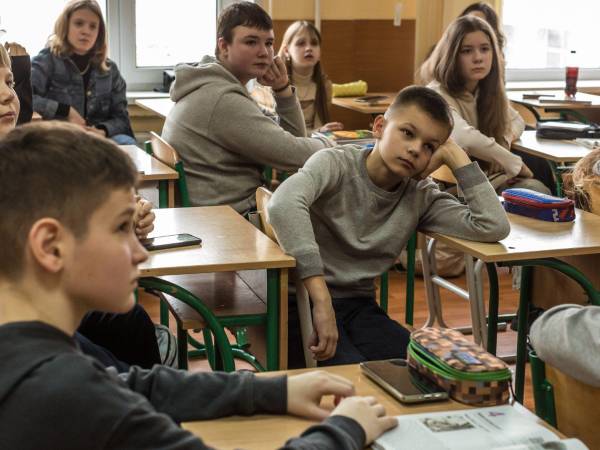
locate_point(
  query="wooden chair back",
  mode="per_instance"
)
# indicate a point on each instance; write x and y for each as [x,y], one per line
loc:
[576,406]
[263,195]
[163,151]
[526,113]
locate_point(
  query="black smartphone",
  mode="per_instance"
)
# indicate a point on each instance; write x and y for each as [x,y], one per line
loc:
[402,381]
[170,241]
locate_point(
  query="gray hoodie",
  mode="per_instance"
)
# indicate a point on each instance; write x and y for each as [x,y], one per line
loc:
[568,337]
[223,138]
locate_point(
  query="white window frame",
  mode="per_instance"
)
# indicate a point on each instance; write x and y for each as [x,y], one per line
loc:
[121,42]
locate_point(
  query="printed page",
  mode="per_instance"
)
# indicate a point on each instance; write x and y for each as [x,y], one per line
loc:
[469,429]
[567,444]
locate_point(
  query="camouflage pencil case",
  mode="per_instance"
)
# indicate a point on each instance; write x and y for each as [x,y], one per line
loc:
[465,370]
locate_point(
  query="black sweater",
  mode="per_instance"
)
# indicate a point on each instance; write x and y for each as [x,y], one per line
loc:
[52,396]
[21,69]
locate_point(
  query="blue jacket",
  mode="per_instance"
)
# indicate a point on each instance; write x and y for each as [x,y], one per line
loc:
[56,79]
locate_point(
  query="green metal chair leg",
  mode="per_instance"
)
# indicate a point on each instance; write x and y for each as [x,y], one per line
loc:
[543,392]
[523,315]
[163,194]
[182,357]
[384,291]
[411,251]
[492,308]
[273,282]
[164,314]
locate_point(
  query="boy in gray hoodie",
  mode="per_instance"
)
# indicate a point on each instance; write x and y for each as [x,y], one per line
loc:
[347,214]
[223,138]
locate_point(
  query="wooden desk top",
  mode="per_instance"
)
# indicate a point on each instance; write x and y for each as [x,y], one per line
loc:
[159,106]
[151,167]
[532,239]
[517,96]
[229,243]
[269,432]
[365,108]
[560,151]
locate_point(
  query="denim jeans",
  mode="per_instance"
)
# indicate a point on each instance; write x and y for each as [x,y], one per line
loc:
[124,139]
[365,331]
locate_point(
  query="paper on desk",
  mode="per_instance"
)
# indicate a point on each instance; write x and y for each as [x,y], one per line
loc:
[497,427]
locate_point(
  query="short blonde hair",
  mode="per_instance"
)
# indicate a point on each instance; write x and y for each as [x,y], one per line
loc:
[59,44]
[4,58]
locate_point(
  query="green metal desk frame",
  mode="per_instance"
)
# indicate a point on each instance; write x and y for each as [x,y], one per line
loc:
[524,302]
[221,355]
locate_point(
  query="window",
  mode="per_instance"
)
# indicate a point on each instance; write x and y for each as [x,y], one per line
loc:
[166,33]
[541,34]
[26,23]
[165,36]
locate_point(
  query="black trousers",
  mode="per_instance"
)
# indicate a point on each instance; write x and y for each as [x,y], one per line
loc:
[125,339]
[366,333]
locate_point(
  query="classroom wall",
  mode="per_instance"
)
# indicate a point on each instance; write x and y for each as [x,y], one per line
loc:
[339,9]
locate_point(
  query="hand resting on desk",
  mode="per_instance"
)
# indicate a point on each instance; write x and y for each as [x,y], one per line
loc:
[305,392]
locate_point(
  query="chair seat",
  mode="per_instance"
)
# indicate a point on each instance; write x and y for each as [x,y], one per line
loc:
[226,294]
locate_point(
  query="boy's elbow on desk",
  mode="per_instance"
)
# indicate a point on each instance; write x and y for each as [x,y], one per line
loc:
[498,231]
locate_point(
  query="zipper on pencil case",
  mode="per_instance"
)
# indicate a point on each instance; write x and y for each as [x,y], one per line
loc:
[440,367]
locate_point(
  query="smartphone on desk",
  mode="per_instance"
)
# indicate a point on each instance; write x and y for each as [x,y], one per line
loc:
[371,98]
[170,241]
[402,381]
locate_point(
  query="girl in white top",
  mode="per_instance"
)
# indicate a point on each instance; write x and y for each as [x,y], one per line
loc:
[301,51]
[467,72]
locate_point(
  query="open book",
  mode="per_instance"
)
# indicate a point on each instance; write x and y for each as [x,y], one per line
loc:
[495,428]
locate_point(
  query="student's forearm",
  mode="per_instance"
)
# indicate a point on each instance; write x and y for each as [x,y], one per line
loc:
[317,290]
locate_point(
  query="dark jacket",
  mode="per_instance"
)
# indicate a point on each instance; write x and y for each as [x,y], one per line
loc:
[56,79]
[53,397]
[21,69]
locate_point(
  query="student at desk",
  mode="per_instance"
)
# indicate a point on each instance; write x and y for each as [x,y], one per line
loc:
[74,80]
[220,133]
[69,247]
[468,74]
[348,213]
[130,336]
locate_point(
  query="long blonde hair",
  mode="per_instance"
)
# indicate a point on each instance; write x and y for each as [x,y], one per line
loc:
[319,77]
[4,58]
[492,104]
[59,44]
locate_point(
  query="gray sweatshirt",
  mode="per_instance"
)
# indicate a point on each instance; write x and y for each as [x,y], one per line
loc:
[568,338]
[336,222]
[223,138]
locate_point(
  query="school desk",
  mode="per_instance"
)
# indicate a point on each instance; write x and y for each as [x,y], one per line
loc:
[376,108]
[530,243]
[262,432]
[582,101]
[151,169]
[159,106]
[268,432]
[555,152]
[229,243]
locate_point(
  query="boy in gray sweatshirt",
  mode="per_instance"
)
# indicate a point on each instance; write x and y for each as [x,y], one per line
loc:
[348,213]
[221,135]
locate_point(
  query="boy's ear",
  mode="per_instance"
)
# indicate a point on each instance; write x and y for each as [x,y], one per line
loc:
[378,126]
[222,45]
[47,244]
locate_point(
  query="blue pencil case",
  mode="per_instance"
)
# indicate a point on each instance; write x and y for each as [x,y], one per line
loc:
[526,202]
